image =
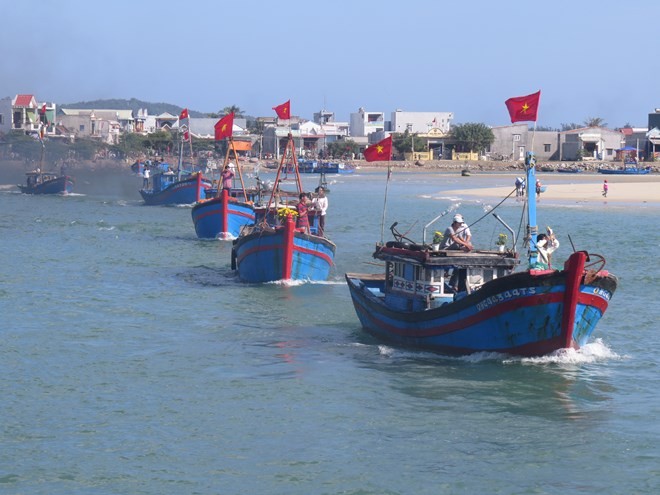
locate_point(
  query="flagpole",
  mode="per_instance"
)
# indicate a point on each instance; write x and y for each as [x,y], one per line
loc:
[382,222]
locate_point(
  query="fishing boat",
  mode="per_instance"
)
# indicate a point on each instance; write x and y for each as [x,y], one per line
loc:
[627,170]
[163,186]
[273,248]
[38,182]
[225,213]
[458,303]
[175,188]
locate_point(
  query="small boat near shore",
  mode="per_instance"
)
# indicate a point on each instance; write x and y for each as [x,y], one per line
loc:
[625,171]
[459,303]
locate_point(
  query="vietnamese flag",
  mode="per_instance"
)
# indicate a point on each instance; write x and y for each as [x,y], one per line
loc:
[283,111]
[380,151]
[184,114]
[523,108]
[224,127]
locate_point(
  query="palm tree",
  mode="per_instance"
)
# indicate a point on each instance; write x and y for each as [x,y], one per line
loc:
[595,122]
[238,113]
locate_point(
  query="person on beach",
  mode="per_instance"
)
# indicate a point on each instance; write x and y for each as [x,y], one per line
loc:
[546,244]
[520,186]
[227,177]
[538,188]
[606,188]
[458,235]
[303,220]
[320,204]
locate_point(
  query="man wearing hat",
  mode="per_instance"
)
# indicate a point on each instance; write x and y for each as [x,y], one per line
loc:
[458,235]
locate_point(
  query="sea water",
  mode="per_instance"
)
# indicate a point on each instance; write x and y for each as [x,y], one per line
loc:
[134,362]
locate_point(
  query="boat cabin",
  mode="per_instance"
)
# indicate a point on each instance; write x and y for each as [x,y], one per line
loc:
[423,278]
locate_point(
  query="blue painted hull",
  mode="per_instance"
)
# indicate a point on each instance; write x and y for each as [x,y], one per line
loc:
[260,256]
[209,217]
[60,185]
[520,314]
[183,192]
[626,171]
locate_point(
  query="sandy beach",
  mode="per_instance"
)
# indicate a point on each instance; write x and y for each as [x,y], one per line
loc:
[584,189]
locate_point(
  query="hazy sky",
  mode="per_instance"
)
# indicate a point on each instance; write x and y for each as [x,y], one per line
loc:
[589,58]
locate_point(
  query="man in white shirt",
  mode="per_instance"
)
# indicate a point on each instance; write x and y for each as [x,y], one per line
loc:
[320,204]
[458,235]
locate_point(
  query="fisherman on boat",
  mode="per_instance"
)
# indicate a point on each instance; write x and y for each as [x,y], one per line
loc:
[458,235]
[546,244]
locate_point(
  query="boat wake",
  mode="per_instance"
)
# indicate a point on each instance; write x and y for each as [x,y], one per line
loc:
[594,352]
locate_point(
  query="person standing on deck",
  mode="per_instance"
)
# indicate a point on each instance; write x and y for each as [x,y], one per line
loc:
[303,219]
[320,204]
[227,177]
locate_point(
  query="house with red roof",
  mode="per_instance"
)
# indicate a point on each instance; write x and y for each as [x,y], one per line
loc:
[29,116]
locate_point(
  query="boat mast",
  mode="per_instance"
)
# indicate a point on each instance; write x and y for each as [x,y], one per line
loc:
[532,228]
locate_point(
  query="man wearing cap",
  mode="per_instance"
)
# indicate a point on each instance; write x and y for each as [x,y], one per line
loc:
[458,235]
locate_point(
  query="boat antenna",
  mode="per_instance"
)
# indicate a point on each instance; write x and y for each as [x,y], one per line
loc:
[513,234]
[572,245]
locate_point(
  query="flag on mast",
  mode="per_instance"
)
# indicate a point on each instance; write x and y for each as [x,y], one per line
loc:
[381,151]
[283,111]
[224,127]
[523,108]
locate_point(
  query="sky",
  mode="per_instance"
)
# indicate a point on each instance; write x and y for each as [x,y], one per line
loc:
[590,59]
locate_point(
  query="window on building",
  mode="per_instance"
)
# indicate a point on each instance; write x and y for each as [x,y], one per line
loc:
[547,148]
[2,119]
[82,128]
[610,151]
[516,137]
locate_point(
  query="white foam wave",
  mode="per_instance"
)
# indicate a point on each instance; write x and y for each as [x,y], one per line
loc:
[593,352]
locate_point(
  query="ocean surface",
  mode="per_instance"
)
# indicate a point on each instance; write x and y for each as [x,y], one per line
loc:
[134,362]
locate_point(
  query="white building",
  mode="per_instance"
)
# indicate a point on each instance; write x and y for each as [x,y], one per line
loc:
[364,123]
[420,122]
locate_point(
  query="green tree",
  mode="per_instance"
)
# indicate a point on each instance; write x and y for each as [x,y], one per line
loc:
[472,137]
[405,142]
[570,127]
[344,147]
[238,113]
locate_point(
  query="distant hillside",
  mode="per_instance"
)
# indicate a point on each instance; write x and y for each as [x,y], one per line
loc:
[132,104]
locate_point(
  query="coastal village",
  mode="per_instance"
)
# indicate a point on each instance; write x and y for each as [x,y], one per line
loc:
[588,146]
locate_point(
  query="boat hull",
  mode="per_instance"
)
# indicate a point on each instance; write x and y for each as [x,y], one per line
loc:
[626,171]
[266,255]
[528,313]
[221,215]
[183,192]
[59,185]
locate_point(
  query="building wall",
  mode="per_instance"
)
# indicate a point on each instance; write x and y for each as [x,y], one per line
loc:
[420,122]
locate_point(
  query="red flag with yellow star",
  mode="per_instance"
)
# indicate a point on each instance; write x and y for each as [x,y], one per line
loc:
[224,127]
[523,108]
[283,111]
[381,151]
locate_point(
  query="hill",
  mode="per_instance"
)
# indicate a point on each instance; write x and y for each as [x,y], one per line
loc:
[132,104]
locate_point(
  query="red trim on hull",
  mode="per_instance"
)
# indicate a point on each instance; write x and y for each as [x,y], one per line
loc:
[224,206]
[287,254]
[574,271]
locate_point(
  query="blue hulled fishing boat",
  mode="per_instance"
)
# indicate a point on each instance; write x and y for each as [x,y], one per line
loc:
[273,248]
[458,302]
[46,183]
[230,208]
[170,188]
